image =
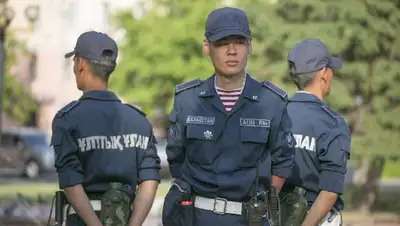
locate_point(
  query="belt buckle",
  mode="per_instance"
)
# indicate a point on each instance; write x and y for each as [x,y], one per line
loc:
[219,200]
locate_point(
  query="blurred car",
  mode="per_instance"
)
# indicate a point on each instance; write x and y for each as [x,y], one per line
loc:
[25,151]
[161,150]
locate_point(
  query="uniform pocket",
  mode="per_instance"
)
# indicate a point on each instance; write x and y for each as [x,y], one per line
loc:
[200,142]
[200,132]
[174,213]
[56,138]
[254,134]
[254,141]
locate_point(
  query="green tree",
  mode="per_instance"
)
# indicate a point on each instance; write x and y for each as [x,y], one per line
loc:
[365,34]
[17,101]
[161,50]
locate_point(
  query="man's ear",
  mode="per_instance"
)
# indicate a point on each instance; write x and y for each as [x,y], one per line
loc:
[206,47]
[250,47]
[323,73]
[81,63]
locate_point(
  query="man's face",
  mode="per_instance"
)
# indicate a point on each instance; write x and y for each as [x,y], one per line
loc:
[228,55]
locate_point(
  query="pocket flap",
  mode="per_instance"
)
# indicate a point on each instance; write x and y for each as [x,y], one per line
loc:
[200,132]
[56,139]
[254,134]
[182,186]
[173,116]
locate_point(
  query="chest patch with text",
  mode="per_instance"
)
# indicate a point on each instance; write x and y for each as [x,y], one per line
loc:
[255,122]
[201,120]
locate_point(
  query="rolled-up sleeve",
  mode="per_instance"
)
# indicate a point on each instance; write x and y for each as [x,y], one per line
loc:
[149,162]
[333,161]
[69,168]
[281,144]
[176,150]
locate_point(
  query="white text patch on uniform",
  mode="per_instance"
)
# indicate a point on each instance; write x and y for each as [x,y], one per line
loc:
[304,142]
[119,142]
[255,122]
[202,120]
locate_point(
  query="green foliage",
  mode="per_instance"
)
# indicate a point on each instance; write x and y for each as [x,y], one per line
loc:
[163,49]
[391,170]
[17,101]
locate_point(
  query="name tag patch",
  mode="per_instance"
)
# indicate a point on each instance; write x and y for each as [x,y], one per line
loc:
[255,122]
[201,120]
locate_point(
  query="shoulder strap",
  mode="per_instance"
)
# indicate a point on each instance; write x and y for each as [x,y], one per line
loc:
[275,88]
[67,108]
[331,112]
[137,109]
[338,118]
[187,85]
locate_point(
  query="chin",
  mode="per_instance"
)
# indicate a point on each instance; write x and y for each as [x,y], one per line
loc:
[232,72]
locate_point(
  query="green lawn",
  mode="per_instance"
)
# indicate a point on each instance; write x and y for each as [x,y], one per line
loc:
[391,170]
[31,191]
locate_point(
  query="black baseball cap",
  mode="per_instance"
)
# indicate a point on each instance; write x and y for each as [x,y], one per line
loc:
[93,45]
[227,21]
[311,55]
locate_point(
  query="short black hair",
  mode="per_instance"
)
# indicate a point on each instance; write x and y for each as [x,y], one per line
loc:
[102,68]
[303,80]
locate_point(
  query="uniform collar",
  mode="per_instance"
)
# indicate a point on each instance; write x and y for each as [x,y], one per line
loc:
[303,96]
[251,89]
[100,95]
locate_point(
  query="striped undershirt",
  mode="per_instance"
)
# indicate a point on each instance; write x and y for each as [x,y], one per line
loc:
[229,97]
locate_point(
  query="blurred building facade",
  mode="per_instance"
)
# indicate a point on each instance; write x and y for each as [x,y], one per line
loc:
[59,24]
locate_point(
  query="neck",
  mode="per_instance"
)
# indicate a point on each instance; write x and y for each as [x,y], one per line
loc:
[317,92]
[95,84]
[229,82]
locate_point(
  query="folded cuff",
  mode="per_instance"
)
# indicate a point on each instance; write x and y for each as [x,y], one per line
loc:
[331,181]
[69,178]
[149,174]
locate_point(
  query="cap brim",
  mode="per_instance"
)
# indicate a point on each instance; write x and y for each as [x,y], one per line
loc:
[226,33]
[70,54]
[335,63]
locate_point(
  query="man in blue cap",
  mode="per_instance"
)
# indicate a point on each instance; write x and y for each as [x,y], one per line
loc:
[103,148]
[229,141]
[322,136]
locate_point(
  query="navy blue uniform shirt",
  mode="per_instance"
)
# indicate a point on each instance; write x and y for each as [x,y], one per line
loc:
[217,152]
[98,140]
[322,147]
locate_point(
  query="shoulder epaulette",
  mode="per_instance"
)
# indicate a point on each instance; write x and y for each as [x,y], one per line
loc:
[275,88]
[332,113]
[137,109]
[68,108]
[187,85]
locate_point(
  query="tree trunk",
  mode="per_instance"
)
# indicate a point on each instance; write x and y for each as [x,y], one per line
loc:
[366,180]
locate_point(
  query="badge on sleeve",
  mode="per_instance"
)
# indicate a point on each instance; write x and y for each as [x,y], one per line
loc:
[172,132]
[290,139]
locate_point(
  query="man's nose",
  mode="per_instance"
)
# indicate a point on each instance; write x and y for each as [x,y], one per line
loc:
[231,49]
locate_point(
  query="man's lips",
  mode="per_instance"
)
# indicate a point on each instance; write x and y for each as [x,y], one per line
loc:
[232,62]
